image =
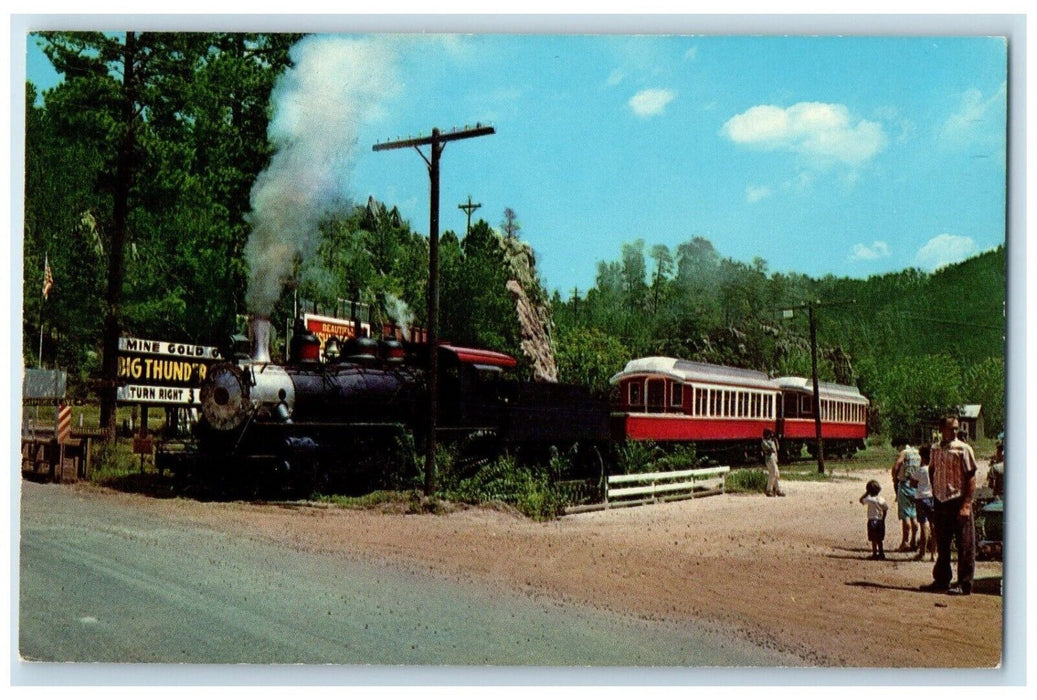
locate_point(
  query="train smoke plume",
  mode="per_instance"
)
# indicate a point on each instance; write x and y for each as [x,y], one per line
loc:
[334,86]
[399,312]
[260,327]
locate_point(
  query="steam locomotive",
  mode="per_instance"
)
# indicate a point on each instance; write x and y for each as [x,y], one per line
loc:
[348,421]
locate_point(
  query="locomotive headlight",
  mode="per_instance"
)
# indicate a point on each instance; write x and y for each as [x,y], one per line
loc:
[225,397]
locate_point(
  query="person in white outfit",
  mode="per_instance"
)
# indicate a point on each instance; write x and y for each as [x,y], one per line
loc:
[877,508]
[769,447]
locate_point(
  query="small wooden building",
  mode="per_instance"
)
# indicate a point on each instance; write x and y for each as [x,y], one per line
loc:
[970,419]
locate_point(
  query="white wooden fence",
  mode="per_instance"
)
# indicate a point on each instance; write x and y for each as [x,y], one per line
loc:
[652,487]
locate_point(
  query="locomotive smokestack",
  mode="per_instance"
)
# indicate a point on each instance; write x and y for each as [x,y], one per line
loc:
[260,328]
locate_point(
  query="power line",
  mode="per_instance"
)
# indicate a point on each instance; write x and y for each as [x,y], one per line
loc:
[948,322]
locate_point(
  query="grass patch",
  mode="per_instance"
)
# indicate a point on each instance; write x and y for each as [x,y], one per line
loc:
[116,460]
[874,457]
[88,416]
[537,490]
[746,480]
[754,479]
[407,501]
[799,474]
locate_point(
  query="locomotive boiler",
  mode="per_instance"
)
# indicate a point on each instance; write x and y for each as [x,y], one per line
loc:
[308,423]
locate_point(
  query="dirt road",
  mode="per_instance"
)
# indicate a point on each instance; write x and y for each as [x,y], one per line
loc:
[786,574]
[112,578]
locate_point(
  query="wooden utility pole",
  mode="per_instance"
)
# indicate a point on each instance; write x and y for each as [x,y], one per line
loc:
[468,209]
[817,390]
[811,307]
[436,142]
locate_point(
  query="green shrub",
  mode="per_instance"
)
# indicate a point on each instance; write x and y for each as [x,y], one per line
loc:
[679,457]
[645,456]
[637,456]
[111,460]
[746,479]
[506,481]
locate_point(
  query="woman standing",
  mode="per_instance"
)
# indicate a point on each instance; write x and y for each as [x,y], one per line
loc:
[907,461]
[769,447]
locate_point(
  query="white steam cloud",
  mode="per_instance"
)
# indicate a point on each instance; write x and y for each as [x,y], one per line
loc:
[334,86]
[399,312]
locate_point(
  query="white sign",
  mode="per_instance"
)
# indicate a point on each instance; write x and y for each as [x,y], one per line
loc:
[168,349]
[138,393]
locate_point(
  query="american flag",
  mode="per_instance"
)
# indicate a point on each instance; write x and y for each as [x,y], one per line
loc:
[48,278]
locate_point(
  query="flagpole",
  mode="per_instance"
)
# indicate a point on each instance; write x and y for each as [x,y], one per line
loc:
[46,263]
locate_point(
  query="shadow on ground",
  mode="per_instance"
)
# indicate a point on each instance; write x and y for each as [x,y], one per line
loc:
[990,585]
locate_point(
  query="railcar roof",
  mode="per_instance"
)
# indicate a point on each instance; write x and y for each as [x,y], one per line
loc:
[688,371]
[805,384]
[478,356]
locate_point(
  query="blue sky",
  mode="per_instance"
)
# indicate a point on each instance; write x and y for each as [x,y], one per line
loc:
[845,155]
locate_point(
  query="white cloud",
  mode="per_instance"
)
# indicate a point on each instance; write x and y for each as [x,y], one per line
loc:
[651,102]
[691,54]
[616,77]
[799,184]
[824,133]
[976,116]
[878,249]
[754,193]
[945,249]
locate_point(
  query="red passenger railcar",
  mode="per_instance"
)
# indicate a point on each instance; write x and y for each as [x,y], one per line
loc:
[724,410]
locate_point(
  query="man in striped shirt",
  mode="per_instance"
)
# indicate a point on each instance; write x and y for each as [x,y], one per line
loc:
[952,470]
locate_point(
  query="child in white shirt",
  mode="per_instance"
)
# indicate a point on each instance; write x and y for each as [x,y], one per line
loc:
[876,518]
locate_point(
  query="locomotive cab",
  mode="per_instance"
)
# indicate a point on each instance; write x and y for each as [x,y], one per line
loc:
[470,388]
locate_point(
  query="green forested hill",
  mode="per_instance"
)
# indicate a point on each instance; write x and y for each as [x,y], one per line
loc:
[958,311]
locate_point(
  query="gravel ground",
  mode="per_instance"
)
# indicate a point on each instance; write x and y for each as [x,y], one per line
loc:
[788,575]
